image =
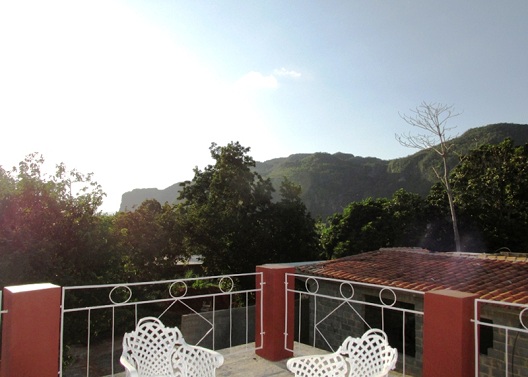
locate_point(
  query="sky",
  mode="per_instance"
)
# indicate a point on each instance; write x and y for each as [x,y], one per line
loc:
[136,91]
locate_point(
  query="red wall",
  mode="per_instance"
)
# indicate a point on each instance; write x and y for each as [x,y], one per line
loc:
[448,334]
[31,331]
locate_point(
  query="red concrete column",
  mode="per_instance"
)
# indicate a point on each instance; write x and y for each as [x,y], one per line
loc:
[448,334]
[31,331]
[272,311]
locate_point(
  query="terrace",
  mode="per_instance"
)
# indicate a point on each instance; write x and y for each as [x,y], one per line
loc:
[259,320]
[242,362]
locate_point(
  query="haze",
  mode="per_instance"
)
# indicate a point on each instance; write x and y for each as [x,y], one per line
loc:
[136,91]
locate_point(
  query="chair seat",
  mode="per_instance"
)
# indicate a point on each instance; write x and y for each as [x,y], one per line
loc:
[331,365]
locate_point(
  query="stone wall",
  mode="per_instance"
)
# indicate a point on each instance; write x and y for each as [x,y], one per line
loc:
[492,362]
[337,319]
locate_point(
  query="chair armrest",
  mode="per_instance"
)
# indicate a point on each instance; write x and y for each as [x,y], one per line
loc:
[196,360]
[392,363]
[216,356]
[129,368]
[330,365]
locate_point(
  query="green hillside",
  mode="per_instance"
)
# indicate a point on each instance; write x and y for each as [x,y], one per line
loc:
[331,181]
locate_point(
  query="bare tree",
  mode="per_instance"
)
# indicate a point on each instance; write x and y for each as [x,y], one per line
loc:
[432,118]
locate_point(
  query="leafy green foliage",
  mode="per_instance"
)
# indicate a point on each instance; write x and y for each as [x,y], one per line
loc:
[149,241]
[330,182]
[49,230]
[375,223]
[489,194]
[293,233]
[229,217]
[439,235]
[490,190]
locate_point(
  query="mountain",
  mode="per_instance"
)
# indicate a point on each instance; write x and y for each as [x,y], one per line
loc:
[331,181]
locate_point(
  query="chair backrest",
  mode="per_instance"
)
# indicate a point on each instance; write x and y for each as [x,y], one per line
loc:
[149,348]
[369,356]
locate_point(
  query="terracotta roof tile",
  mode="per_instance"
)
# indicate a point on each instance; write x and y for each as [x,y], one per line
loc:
[493,277]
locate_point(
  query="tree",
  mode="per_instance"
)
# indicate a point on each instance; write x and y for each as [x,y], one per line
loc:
[362,226]
[228,216]
[149,241]
[432,118]
[293,228]
[225,211]
[409,215]
[439,235]
[49,230]
[489,187]
[375,223]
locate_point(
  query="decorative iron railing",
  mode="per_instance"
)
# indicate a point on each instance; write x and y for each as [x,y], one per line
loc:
[1,310]
[501,338]
[328,310]
[215,311]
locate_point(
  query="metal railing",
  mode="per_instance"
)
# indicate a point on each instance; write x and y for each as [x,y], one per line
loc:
[208,310]
[1,310]
[329,310]
[500,327]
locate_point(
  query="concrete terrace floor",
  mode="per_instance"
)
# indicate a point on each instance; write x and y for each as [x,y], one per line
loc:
[241,361]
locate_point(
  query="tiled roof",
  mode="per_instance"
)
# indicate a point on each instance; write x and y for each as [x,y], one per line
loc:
[492,277]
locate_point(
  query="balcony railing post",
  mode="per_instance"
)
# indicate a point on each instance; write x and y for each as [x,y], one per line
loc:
[271,308]
[31,330]
[448,334]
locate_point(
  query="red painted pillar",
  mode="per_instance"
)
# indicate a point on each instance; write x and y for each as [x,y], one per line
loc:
[31,331]
[271,312]
[448,334]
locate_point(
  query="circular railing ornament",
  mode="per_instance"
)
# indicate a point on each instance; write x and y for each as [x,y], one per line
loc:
[342,292]
[226,284]
[307,285]
[180,287]
[521,314]
[383,301]
[120,290]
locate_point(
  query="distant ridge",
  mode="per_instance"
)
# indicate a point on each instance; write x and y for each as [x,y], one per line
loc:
[331,181]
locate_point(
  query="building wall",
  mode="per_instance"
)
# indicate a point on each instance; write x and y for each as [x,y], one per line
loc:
[494,363]
[349,320]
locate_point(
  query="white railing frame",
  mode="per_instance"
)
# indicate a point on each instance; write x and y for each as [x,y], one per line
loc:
[476,321]
[348,300]
[1,310]
[185,282]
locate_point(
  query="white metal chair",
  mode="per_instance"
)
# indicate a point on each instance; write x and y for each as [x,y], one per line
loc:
[368,356]
[153,350]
